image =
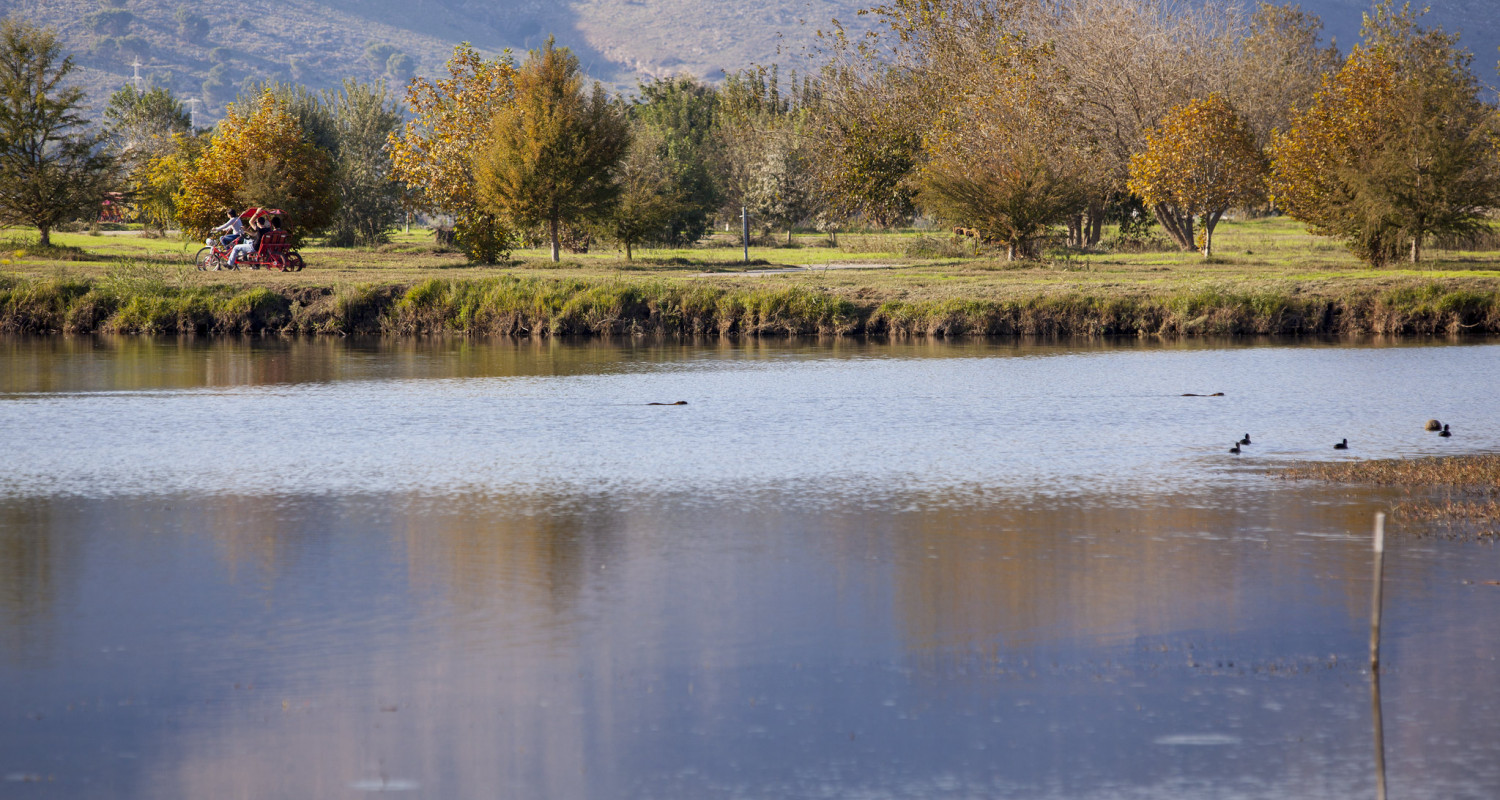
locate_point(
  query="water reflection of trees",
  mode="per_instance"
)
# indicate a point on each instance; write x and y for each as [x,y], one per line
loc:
[137,363]
[518,552]
[38,565]
[1005,576]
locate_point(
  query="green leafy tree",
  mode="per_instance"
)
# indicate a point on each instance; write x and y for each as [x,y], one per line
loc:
[1200,162]
[400,67]
[1396,148]
[51,169]
[191,26]
[782,191]
[364,118]
[111,21]
[141,123]
[650,196]
[555,149]
[145,129]
[158,183]
[678,116]
[378,53]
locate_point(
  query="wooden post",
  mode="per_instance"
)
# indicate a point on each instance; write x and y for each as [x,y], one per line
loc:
[1379,736]
[745,231]
[1375,656]
[1375,592]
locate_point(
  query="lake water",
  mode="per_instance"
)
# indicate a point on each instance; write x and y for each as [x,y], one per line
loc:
[456,569]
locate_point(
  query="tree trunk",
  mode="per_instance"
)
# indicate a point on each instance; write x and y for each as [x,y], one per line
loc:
[1076,228]
[552,230]
[45,239]
[1416,249]
[1209,222]
[1094,222]
[627,250]
[1010,251]
[788,236]
[1177,225]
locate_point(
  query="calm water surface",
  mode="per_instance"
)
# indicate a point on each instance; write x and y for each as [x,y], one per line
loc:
[982,570]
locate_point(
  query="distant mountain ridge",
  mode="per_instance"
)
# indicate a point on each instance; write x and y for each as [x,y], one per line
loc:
[210,49]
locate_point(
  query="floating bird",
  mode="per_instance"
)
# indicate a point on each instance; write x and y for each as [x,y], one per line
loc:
[1446,433]
[1245,440]
[1344,445]
[1235,449]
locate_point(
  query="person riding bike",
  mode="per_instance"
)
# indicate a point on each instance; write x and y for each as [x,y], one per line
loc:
[262,227]
[235,226]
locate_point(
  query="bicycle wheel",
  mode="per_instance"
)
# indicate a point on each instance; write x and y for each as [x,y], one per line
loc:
[208,260]
[294,262]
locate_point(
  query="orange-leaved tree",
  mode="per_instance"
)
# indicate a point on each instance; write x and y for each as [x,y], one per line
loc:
[1399,145]
[259,156]
[434,154]
[1198,163]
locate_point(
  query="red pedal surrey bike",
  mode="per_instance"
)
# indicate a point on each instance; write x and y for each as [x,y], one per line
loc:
[272,250]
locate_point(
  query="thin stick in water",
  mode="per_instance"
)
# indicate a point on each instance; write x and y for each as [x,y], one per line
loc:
[1375,598]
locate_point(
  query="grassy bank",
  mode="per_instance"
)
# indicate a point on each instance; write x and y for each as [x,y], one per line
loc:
[1460,493]
[1273,279]
[144,301]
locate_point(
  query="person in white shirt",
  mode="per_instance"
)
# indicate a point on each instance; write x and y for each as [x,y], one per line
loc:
[235,226]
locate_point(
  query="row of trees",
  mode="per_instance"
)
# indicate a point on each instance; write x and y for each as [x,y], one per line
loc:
[1013,118]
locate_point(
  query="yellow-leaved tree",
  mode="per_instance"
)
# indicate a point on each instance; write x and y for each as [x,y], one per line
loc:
[1398,147]
[434,154]
[259,156]
[159,182]
[1198,163]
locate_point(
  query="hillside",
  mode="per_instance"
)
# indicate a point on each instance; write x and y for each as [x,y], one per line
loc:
[209,49]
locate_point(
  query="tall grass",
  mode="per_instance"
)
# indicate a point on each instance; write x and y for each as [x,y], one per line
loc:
[144,298]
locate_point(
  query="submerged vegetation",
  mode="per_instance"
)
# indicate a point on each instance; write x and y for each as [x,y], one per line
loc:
[1461,492]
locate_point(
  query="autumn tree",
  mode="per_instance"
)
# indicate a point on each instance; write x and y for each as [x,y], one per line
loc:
[1129,62]
[433,155]
[51,169]
[1200,162]
[1281,65]
[1396,148]
[158,183]
[259,156]
[1007,161]
[555,149]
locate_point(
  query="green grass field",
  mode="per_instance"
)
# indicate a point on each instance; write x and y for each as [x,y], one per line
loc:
[1268,275]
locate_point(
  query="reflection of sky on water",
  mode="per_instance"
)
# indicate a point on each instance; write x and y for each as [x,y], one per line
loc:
[901,626]
[840,425]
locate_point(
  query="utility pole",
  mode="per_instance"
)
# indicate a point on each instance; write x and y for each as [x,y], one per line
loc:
[193,113]
[137,79]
